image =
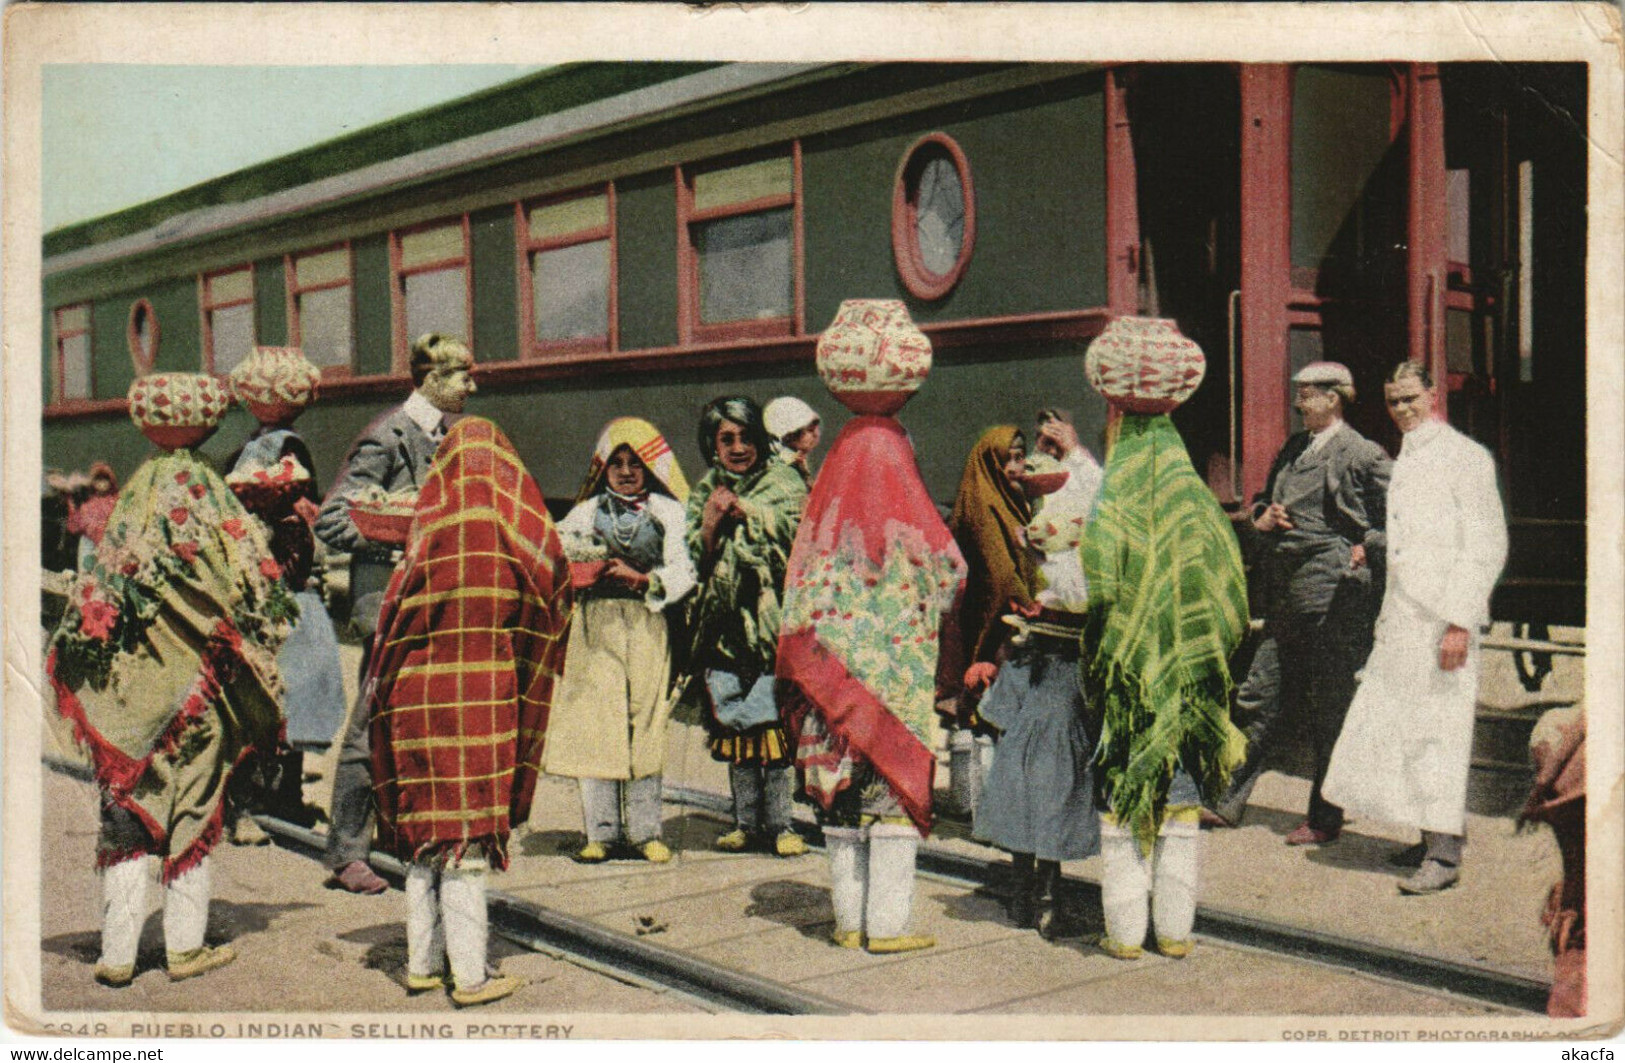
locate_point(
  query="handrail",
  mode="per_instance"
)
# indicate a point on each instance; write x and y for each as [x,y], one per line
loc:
[1233,304]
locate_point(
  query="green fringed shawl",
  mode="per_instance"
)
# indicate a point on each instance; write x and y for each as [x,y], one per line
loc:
[735,611]
[1167,606]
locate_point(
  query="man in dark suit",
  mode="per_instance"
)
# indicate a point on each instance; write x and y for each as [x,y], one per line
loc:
[1322,515]
[393,453]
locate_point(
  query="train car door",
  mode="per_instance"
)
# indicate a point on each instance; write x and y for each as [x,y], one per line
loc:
[1497,277]
[1183,123]
[1270,211]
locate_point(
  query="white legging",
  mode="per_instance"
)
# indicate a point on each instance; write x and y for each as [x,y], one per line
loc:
[446,919]
[1169,876]
[124,909]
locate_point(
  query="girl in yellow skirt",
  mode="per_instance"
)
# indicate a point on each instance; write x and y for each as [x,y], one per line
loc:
[629,561]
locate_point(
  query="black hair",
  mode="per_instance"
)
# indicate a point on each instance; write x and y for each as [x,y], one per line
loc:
[741,411]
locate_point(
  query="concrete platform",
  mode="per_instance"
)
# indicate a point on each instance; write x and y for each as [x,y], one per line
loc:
[306,947]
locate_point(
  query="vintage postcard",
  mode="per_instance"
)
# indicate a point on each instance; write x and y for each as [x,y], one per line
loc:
[948,522]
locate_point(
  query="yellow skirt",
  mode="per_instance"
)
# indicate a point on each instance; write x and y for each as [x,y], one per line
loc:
[609,719]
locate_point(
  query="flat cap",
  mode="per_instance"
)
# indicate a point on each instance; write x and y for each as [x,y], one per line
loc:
[1325,375]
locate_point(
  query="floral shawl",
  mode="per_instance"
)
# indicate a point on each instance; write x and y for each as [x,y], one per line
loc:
[872,573]
[987,519]
[1167,607]
[470,642]
[165,661]
[736,610]
[89,518]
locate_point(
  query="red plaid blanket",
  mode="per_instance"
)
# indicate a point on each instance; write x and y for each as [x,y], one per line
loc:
[470,641]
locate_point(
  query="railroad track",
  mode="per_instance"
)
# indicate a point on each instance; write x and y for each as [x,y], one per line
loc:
[718,988]
[585,943]
[1414,968]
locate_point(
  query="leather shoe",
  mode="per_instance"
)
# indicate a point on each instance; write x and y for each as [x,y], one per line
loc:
[1118,950]
[1433,877]
[1307,835]
[201,960]
[591,853]
[488,991]
[1411,857]
[246,831]
[424,983]
[357,877]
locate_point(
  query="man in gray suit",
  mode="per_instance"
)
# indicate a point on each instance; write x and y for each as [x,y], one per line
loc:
[1322,515]
[393,452]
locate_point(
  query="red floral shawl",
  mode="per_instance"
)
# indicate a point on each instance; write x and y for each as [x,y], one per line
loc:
[471,639]
[871,575]
[165,660]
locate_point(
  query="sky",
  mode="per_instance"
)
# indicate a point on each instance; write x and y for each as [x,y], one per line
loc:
[115,135]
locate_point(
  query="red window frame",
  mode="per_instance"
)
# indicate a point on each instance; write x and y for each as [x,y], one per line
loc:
[290,272]
[690,328]
[920,281]
[207,306]
[398,272]
[59,389]
[529,346]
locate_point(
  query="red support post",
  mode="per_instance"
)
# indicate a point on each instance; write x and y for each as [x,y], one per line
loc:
[1266,266]
[1122,202]
[1427,225]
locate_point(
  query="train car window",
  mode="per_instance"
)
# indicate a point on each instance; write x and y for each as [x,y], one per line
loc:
[73,378]
[933,216]
[1458,187]
[741,248]
[321,307]
[227,312]
[431,289]
[567,252]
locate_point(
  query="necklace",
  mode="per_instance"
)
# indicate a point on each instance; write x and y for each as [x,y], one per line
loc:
[624,521]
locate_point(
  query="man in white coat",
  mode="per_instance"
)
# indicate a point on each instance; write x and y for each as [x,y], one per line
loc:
[1403,754]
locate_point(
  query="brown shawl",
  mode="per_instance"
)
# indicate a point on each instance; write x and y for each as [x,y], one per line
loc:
[989,514]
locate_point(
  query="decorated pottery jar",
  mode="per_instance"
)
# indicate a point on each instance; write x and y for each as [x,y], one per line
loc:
[1144,365]
[1042,475]
[177,410]
[872,357]
[275,383]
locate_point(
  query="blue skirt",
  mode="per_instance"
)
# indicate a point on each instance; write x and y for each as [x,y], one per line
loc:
[310,667]
[1038,797]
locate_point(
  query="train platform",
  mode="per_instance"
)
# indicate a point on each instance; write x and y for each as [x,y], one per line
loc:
[307,949]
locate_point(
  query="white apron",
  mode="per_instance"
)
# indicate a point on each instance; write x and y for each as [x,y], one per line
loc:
[1407,741]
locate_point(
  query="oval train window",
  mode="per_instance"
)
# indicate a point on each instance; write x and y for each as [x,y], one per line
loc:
[933,216]
[142,333]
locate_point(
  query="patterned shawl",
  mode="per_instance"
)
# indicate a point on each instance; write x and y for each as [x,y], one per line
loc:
[988,516]
[89,518]
[872,573]
[470,641]
[166,658]
[736,610]
[649,445]
[1167,606]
